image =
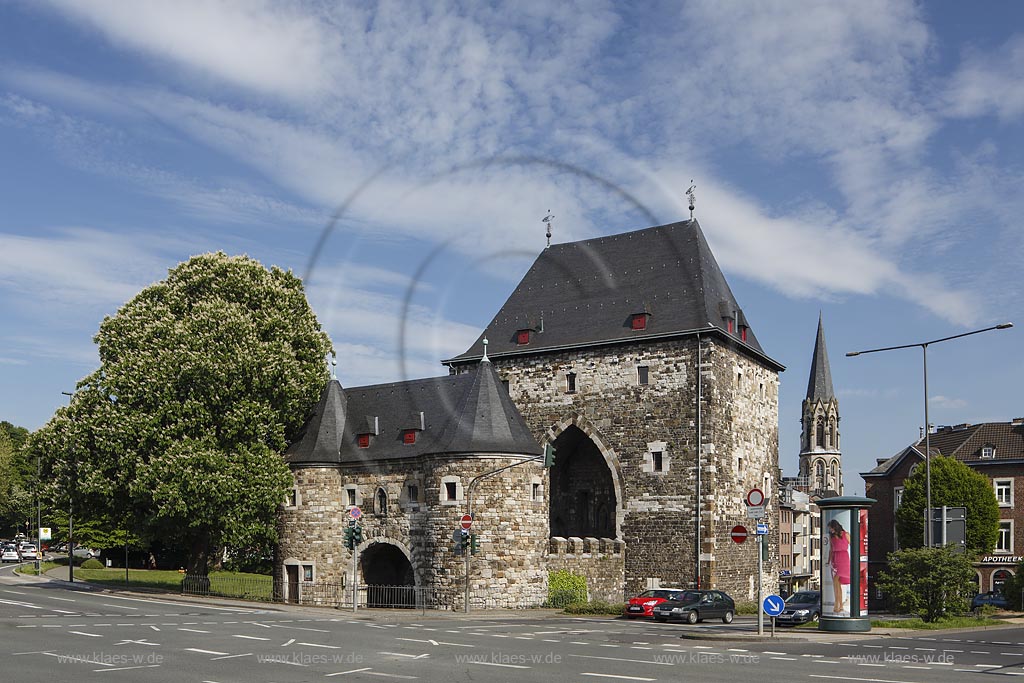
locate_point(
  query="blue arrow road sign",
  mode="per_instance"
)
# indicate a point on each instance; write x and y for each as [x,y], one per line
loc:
[762,529]
[773,605]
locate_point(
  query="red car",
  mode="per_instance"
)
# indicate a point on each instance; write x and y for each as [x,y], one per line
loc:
[643,604]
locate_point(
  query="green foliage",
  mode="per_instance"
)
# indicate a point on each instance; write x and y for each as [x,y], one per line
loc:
[1014,586]
[92,563]
[939,624]
[204,379]
[16,500]
[929,582]
[956,485]
[566,588]
[747,607]
[594,607]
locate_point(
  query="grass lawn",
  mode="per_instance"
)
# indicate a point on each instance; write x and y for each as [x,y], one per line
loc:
[225,584]
[30,567]
[949,622]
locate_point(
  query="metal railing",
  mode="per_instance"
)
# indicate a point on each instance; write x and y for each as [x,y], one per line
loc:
[242,587]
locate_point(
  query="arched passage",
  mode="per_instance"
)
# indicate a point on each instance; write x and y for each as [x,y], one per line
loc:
[583,496]
[388,576]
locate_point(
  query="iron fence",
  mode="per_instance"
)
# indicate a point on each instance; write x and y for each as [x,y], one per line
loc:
[242,587]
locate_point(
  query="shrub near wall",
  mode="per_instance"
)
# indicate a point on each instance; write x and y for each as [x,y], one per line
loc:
[566,588]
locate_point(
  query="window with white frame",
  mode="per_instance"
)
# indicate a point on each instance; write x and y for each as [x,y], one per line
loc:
[451,490]
[656,459]
[1004,492]
[351,496]
[291,498]
[897,498]
[536,490]
[988,452]
[1005,542]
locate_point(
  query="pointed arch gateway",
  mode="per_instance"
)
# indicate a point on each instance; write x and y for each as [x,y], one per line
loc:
[585,483]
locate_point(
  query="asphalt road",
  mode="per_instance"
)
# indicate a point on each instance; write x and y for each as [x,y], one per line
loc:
[52,631]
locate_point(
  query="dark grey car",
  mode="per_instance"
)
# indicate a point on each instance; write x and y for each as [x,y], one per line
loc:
[697,605]
[801,607]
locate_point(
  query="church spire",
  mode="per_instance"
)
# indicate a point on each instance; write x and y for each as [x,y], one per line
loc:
[819,384]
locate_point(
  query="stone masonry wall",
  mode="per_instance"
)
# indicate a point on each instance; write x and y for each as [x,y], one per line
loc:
[600,560]
[629,421]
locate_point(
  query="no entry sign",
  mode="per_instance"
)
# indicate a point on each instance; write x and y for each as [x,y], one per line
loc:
[467,521]
[739,533]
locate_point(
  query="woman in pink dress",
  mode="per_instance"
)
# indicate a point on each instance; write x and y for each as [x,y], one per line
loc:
[839,562]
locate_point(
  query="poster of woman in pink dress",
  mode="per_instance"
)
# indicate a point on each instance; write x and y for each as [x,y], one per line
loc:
[836,581]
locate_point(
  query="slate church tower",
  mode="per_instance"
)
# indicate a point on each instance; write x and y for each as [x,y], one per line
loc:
[820,456]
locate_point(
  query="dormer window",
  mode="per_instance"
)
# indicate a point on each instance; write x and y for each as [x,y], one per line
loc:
[523,337]
[743,333]
[639,322]
[409,437]
[988,452]
[363,440]
[570,383]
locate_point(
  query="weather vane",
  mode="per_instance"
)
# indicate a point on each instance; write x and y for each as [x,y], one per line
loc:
[547,220]
[692,196]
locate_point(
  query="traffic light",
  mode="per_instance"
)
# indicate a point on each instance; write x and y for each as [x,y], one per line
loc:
[357,535]
[473,545]
[460,538]
[348,538]
[549,456]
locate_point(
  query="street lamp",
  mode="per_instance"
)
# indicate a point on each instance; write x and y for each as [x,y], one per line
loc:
[927,431]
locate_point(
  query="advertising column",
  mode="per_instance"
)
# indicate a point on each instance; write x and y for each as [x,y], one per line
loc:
[844,566]
[835,585]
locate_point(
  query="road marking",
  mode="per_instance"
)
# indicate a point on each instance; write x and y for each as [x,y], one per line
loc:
[244,654]
[193,630]
[381,673]
[127,668]
[176,604]
[330,647]
[401,654]
[620,659]
[249,637]
[342,673]
[204,652]
[306,628]
[83,633]
[506,666]
[627,678]
[868,680]
[987,666]
[288,643]
[785,659]
[54,597]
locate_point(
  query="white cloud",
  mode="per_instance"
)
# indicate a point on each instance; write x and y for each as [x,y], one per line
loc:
[948,402]
[989,84]
[271,48]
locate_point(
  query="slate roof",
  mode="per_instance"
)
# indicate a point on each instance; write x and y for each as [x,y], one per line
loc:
[964,442]
[819,383]
[454,414]
[585,293]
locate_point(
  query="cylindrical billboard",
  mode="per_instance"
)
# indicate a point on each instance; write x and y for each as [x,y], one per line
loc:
[836,553]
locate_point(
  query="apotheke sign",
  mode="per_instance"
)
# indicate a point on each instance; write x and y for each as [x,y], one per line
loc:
[1001,559]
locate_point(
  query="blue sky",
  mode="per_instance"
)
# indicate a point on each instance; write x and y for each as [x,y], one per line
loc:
[859,159]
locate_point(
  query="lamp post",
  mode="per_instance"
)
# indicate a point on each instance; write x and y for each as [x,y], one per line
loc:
[927,432]
[71,511]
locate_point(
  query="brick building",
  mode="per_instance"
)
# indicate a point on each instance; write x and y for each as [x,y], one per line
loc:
[630,355]
[995,449]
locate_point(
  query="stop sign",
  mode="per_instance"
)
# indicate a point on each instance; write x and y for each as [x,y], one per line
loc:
[467,521]
[739,533]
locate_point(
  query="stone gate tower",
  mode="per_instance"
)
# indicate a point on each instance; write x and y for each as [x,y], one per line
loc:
[820,455]
[630,354]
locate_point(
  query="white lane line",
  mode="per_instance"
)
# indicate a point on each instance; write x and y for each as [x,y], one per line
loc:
[626,678]
[329,647]
[384,675]
[785,659]
[244,654]
[178,604]
[987,666]
[83,633]
[304,628]
[249,637]
[866,680]
[193,630]
[204,652]
[925,668]
[505,666]
[620,659]
[342,673]
[402,654]
[289,642]
[128,668]
[105,604]
[769,652]
[54,597]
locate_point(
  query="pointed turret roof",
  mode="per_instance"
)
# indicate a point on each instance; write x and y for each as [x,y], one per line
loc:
[819,384]
[322,435]
[587,293]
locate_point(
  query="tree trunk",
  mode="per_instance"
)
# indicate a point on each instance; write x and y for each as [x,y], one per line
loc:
[198,567]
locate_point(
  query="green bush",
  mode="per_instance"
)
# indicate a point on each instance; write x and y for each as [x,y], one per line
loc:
[594,607]
[566,588]
[746,607]
[92,563]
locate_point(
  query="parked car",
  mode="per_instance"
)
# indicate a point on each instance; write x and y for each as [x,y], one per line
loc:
[801,607]
[86,552]
[9,553]
[990,598]
[697,605]
[643,604]
[28,552]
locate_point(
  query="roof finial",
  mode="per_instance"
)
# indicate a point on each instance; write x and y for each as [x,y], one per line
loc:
[485,359]
[547,220]
[334,365]
[692,196]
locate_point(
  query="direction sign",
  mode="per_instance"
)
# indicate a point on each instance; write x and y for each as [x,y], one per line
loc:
[773,605]
[355,512]
[762,529]
[467,521]
[755,511]
[755,497]
[739,533]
